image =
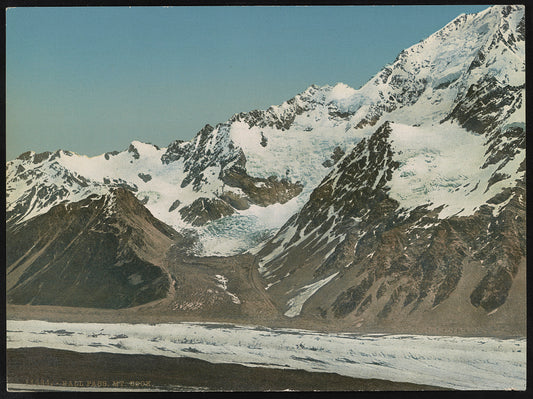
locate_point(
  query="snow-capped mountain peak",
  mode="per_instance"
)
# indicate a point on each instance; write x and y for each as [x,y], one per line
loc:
[242,170]
[425,191]
[397,204]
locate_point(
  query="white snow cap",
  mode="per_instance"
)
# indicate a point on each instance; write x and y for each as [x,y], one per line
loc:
[419,88]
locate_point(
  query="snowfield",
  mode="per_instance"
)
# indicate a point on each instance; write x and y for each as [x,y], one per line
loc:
[474,363]
[442,166]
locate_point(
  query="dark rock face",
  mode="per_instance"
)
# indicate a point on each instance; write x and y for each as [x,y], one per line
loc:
[38,158]
[352,298]
[338,153]
[100,252]
[235,200]
[203,210]
[145,177]
[174,205]
[134,151]
[25,156]
[176,150]
[501,249]
[485,105]
[262,191]
[388,262]
[110,154]
[271,118]
[259,191]
[264,140]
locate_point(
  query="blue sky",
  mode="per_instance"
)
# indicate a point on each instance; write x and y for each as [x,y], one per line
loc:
[93,79]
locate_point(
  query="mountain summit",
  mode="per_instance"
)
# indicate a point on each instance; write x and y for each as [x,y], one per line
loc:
[390,205]
[419,215]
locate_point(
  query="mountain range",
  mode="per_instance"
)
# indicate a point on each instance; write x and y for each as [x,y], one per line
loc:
[396,206]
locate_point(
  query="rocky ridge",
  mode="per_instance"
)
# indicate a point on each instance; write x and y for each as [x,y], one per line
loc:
[391,223]
[380,241]
[103,251]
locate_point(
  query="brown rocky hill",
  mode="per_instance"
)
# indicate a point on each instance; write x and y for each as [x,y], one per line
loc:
[104,251]
[109,252]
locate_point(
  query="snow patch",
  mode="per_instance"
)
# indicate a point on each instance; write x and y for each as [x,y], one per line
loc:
[223,283]
[440,165]
[296,303]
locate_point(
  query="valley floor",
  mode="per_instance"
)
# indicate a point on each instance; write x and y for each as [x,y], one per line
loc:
[41,358]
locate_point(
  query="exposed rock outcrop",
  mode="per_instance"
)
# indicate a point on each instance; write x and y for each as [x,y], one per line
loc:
[104,251]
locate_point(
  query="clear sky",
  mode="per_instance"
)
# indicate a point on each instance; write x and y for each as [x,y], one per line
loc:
[93,79]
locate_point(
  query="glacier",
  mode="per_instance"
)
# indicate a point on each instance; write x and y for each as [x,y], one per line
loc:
[466,363]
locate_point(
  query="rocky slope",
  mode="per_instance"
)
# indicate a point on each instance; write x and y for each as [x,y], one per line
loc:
[104,251]
[377,260]
[430,208]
